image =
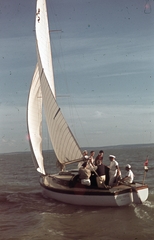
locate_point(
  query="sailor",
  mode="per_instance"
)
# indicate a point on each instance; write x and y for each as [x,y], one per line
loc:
[91,157]
[129,178]
[84,174]
[101,174]
[99,156]
[114,170]
[84,158]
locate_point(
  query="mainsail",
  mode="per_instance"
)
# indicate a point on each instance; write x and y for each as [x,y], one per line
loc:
[43,42]
[62,139]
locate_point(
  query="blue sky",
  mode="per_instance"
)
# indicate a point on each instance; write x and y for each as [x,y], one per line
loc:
[104,66]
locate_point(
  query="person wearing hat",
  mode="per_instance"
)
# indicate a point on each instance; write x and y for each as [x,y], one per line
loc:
[84,158]
[129,178]
[114,170]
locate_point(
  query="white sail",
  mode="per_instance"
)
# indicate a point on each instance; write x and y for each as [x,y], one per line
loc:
[64,143]
[34,120]
[43,41]
[43,90]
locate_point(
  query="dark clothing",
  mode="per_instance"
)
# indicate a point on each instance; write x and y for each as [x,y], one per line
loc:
[107,175]
[100,170]
[93,179]
[98,158]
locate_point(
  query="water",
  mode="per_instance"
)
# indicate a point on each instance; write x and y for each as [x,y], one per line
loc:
[26,215]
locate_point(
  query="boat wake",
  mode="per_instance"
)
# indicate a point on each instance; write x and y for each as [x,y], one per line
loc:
[151,191]
[149,204]
[142,211]
[141,214]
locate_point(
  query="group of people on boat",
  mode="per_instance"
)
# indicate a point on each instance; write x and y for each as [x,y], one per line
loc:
[92,171]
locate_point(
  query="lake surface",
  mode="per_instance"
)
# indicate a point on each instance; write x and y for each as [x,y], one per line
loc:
[26,215]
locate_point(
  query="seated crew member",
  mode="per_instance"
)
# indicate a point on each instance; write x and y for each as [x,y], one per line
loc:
[84,174]
[129,178]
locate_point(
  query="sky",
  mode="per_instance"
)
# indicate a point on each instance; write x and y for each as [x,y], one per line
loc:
[103,57]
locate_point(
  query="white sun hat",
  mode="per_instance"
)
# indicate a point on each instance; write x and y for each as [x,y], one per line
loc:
[128,166]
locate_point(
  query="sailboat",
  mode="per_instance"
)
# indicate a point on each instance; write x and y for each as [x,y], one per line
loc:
[65,185]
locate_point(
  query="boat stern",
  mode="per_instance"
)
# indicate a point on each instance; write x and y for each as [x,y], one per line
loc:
[140,193]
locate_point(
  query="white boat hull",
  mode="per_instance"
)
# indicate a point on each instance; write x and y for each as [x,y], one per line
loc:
[140,193]
[88,200]
[117,196]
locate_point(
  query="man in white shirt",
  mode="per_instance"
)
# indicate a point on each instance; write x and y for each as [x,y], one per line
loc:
[129,178]
[114,170]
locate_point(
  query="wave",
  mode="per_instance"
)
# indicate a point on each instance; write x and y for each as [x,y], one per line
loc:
[142,214]
[20,197]
[145,211]
[151,192]
[149,204]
